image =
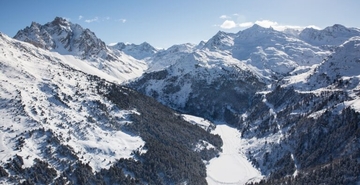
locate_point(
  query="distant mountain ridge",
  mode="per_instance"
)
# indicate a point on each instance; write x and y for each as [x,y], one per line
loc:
[196,73]
[139,52]
[329,36]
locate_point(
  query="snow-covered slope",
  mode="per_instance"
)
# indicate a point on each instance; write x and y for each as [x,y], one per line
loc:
[66,38]
[41,100]
[341,69]
[59,125]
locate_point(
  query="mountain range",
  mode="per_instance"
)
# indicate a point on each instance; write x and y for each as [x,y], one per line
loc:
[77,111]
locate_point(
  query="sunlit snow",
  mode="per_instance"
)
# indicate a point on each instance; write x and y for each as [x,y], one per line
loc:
[232,166]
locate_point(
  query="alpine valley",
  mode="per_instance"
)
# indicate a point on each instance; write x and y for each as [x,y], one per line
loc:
[259,106]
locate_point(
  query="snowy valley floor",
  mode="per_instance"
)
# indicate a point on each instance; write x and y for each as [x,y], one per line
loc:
[232,166]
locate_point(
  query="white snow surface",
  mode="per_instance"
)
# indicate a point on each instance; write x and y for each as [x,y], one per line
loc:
[33,79]
[232,166]
[201,122]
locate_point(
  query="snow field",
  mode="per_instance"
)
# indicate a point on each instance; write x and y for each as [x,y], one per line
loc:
[232,166]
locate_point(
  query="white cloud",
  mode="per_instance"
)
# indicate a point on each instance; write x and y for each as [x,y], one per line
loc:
[92,20]
[228,24]
[122,20]
[313,26]
[281,27]
[80,17]
[224,17]
[240,23]
[112,44]
[266,23]
[107,18]
[246,24]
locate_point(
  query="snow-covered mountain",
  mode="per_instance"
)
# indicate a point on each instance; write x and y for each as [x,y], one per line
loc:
[339,69]
[165,58]
[65,38]
[60,125]
[330,36]
[141,51]
[204,83]
[284,93]
[293,97]
[220,41]
[70,39]
[273,52]
[218,79]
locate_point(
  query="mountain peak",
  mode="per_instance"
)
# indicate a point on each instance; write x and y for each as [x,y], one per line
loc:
[337,28]
[220,33]
[34,24]
[60,21]
[258,27]
[145,44]
[220,41]
[62,36]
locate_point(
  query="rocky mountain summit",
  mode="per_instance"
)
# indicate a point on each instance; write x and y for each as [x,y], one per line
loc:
[66,38]
[95,56]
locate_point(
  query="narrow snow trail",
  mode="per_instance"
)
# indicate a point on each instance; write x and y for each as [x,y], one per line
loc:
[232,166]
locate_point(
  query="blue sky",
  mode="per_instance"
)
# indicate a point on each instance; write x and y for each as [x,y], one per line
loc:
[163,23]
